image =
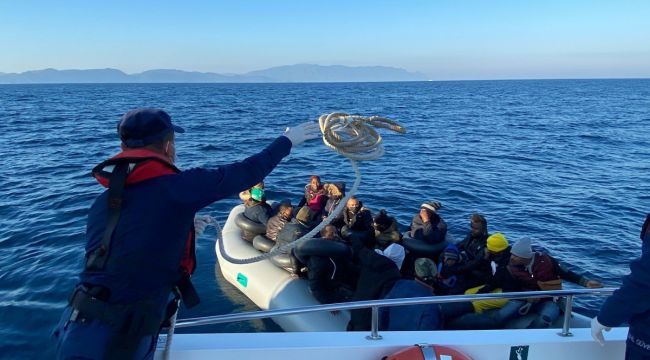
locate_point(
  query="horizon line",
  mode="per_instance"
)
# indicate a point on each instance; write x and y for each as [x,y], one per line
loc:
[326,82]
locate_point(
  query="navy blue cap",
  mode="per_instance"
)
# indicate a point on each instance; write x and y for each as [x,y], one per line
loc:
[141,127]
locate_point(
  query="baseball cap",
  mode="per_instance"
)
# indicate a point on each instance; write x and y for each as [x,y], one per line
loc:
[144,126]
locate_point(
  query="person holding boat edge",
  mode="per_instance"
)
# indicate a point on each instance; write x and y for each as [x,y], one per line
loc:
[140,236]
[630,303]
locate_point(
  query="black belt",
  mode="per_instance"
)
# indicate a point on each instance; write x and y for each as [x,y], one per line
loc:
[136,319]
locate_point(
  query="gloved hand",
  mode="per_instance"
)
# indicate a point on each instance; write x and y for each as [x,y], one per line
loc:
[303,132]
[597,331]
[200,223]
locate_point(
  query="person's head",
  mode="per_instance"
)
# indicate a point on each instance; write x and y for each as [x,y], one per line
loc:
[394,252]
[257,194]
[478,225]
[496,244]
[285,210]
[426,271]
[451,255]
[382,221]
[334,191]
[314,182]
[150,129]
[328,232]
[353,205]
[429,208]
[521,252]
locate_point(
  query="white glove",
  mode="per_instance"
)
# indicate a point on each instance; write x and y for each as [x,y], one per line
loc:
[597,331]
[303,132]
[200,223]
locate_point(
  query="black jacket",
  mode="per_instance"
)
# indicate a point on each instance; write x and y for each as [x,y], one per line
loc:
[476,269]
[377,275]
[258,212]
[500,277]
[432,232]
[326,277]
[291,232]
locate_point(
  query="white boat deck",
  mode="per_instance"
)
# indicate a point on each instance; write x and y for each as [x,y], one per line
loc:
[543,344]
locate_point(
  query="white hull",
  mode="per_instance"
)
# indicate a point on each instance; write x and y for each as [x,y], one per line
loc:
[270,287]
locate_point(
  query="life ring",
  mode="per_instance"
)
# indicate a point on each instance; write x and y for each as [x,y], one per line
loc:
[428,352]
[321,247]
[249,225]
[422,248]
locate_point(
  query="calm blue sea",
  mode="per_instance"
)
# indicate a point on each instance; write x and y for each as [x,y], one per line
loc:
[565,162]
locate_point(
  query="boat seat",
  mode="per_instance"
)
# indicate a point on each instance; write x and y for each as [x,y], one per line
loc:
[262,243]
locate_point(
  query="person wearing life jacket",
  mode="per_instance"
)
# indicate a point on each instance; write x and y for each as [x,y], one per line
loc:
[631,304]
[537,271]
[141,239]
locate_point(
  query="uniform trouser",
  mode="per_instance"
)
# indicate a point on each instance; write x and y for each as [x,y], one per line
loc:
[632,352]
[89,339]
[636,349]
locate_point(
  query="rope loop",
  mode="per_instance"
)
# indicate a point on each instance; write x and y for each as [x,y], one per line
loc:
[355,138]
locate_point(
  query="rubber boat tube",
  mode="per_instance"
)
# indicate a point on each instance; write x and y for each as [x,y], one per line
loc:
[249,225]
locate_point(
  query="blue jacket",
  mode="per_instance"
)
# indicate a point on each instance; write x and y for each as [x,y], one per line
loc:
[413,317]
[156,217]
[631,302]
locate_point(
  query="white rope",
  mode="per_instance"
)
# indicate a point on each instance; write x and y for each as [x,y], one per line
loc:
[170,334]
[355,138]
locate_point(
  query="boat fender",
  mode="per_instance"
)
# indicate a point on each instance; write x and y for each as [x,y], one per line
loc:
[322,247]
[249,225]
[422,248]
[428,352]
[262,243]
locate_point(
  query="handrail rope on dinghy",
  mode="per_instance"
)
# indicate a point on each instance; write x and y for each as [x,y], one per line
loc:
[353,137]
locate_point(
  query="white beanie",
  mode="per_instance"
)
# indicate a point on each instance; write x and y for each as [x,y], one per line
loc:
[431,205]
[394,252]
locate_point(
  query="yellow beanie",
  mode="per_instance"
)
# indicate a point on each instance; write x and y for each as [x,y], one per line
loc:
[497,242]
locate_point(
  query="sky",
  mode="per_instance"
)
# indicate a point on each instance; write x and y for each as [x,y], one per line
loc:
[443,39]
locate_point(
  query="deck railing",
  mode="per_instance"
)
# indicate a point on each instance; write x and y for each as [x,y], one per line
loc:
[569,294]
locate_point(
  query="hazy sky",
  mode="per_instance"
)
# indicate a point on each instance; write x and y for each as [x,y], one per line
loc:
[450,39]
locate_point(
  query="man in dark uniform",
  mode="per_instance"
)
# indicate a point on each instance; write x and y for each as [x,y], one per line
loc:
[140,236]
[631,304]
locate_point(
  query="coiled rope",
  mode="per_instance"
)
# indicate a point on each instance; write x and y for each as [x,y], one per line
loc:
[355,138]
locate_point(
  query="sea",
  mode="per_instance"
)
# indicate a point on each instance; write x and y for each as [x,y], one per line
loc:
[563,162]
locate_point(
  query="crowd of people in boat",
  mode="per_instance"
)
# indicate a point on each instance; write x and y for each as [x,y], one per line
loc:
[365,256]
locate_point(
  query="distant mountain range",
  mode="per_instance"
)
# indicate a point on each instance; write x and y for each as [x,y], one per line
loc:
[288,73]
